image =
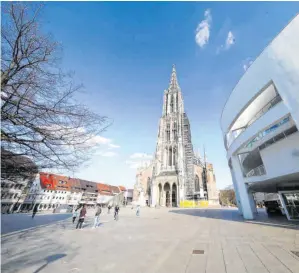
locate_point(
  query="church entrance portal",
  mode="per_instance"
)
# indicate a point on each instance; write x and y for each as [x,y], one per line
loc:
[174,195]
[167,194]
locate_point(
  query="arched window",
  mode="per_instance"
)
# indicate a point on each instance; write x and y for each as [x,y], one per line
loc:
[170,157]
[168,132]
[197,187]
[177,103]
[174,131]
[171,104]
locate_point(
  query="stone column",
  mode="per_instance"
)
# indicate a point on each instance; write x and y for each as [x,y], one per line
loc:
[11,207]
[244,196]
[167,157]
[19,207]
[239,204]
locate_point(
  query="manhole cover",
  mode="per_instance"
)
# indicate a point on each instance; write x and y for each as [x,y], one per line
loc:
[296,253]
[198,251]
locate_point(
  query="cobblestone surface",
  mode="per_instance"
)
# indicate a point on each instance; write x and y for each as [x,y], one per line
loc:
[160,240]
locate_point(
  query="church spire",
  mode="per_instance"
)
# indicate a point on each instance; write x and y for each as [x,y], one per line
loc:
[173,80]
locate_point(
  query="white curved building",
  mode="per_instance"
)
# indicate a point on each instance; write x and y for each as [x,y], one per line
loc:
[260,122]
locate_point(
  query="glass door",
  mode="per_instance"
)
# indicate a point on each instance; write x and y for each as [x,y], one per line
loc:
[290,200]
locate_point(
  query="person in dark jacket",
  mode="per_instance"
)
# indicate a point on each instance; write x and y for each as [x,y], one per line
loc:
[81,217]
[116,210]
[97,217]
[34,211]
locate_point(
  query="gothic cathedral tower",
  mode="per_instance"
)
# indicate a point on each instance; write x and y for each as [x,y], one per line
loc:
[173,172]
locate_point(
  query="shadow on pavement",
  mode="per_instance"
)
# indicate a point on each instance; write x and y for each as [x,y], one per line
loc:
[17,222]
[41,249]
[50,259]
[232,215]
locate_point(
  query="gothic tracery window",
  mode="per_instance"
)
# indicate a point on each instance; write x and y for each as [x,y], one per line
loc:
[168,132]
[170,157]
[171,104]
[174,131]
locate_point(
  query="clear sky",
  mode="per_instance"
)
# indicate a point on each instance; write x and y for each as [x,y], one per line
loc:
[123,54]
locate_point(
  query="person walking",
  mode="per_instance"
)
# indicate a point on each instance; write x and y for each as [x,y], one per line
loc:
[81,217]
[116,210]
[138,210]
[109,207]
[34,211]
[97,217]
[75,215]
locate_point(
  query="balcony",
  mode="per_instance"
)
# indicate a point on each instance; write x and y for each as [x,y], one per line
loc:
[234,133]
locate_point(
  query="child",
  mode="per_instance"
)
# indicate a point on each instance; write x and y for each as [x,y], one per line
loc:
[75,215]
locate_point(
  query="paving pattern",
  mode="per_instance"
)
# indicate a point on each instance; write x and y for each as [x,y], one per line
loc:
[160,240]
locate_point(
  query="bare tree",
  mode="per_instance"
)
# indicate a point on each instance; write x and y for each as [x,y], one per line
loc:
[40,116]
[227,197]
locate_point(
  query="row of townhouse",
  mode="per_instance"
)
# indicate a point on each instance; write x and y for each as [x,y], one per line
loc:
[50,191]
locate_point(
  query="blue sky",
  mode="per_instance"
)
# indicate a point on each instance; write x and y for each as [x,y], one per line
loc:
[123,54]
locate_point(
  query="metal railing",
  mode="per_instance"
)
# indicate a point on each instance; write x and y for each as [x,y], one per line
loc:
[265,109]
[258,171]
[267,131]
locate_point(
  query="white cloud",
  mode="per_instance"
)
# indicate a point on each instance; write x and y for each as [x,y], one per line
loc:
[138,160]
[133,164]
[141,156]
[113,146]
[230,40]
[203,29]
[108,154]
[247,63]
[99,140]
[137,164]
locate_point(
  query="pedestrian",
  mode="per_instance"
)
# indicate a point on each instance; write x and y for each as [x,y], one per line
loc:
[138,210]
[81,217]
[97,217]
[109,207]
[75,215]
[34,211]
[116,210]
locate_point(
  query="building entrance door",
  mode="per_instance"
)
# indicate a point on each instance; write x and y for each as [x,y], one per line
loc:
[167,199]
[290,202]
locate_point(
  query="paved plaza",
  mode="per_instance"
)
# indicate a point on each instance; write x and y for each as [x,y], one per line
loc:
[19,221]
[160,240]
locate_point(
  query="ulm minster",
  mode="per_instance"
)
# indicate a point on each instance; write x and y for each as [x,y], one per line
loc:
[176,176]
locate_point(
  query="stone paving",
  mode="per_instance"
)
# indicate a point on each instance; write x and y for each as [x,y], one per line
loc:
[160,240]
[19,221]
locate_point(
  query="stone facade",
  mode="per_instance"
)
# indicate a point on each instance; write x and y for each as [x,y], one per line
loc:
[176,173]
